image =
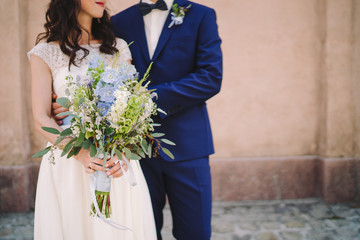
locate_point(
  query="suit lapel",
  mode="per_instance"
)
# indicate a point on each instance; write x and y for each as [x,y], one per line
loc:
[166,32]
[140,35]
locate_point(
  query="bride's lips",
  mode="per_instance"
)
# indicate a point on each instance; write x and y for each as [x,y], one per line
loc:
[100,3]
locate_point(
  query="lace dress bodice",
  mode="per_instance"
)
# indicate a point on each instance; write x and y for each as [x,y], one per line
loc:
[58,62]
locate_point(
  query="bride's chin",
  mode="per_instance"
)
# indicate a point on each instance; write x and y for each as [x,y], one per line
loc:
[100,15]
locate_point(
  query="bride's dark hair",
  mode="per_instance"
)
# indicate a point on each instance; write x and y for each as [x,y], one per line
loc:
[62,26]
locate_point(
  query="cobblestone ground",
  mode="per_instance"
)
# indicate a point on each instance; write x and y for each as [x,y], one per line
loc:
[306,219]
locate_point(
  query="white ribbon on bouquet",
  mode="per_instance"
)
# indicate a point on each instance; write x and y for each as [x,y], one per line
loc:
[129,177]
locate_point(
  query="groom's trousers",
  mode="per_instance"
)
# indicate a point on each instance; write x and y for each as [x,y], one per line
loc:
[187,185]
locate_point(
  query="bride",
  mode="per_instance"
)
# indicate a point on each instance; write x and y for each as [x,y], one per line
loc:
[73,30]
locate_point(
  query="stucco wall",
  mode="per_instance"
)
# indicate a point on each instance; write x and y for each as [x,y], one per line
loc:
[289,85]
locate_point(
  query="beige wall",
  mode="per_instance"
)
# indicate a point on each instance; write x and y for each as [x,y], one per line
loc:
[291,78]
[356,73]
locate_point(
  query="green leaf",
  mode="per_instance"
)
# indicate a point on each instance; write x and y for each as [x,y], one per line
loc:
[118,154]
[105,159]
[135,157]
[161,111]
[80,140]
[92,150]
[65,102]
[42,152]
[155,124]
[76,150]
[66,132]
[87,135]
[82,128]
[128,153]
[51,130]
[144,146]
[167,152]
[156,135]
[64,113]
[68,147]
[86,144]
[71,153]
[140,152]
[167,141]
[58,140]
[149,150]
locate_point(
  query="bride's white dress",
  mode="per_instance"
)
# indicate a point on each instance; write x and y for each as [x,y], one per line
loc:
[63,196]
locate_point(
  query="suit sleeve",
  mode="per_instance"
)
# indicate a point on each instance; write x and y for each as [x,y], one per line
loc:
[205,81]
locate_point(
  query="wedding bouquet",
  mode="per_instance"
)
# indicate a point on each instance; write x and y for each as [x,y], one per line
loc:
[111,115]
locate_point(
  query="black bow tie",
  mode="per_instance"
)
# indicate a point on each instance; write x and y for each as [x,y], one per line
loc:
[146,8]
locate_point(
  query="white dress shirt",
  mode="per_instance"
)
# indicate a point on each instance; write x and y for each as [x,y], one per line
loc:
[154,23]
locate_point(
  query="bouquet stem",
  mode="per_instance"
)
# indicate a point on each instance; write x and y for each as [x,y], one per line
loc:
[102,194]
[103,202]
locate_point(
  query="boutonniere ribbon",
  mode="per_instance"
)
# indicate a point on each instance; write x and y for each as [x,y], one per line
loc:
[178,14]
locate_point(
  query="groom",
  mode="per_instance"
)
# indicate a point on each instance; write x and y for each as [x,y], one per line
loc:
[187,71]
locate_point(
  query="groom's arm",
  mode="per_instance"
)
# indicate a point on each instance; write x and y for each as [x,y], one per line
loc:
[205,81]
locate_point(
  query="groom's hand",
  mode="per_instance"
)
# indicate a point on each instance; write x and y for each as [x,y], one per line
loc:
[56,109]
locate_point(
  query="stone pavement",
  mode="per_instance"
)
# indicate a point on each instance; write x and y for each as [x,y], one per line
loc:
[305,219]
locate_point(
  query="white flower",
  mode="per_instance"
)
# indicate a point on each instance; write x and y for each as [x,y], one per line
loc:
[75,130]
[98,134]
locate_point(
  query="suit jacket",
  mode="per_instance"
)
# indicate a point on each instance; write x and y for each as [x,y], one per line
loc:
[187,71]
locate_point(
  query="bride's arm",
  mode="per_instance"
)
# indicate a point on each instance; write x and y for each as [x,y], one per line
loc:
[41,90]
[41,97]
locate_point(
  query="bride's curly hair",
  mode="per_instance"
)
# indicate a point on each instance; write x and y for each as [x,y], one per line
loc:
[62,26]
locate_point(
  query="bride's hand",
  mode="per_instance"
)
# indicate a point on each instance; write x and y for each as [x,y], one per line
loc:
[91,165]
[116,171]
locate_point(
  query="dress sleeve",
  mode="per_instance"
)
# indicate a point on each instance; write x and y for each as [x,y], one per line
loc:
[41,50]
[123,47]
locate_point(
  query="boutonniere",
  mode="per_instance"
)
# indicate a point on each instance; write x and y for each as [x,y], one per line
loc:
[178,14]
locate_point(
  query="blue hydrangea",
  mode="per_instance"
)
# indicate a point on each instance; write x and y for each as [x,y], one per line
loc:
[127,71]
[105,92]
[95,60]
[103,108]
[110,76]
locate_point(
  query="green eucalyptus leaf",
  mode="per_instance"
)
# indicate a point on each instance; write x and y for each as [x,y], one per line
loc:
[144,146]
[65,102]
[157,135]
[70,154]
[51,130]
[135,157]
[74,116]
[58,140]
[105,159]
[128,153]
[149,150]
[66,132]
[64,114]
[76,150]
[80,140]
[82,128]
[42,152]
[167,152]
[141,153]
[68,147]
[118,154]
[167,141]
[86,144]
[92,150]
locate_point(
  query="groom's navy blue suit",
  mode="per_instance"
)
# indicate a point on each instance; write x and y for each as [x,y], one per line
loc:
[187,71]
